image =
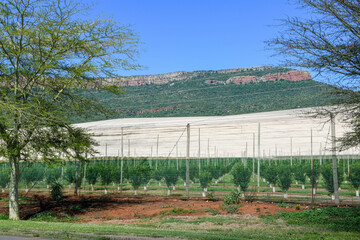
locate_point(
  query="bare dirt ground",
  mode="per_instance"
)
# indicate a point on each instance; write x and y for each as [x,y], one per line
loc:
[116,208]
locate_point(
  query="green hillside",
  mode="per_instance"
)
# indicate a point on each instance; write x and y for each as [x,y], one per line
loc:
[193,97]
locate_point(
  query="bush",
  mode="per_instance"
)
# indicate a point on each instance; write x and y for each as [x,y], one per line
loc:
[56,191]
[232,198]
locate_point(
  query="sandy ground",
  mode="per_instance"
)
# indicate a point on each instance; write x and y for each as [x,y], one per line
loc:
[282,133]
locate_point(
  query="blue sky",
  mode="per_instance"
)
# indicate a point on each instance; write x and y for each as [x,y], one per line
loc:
[185,35]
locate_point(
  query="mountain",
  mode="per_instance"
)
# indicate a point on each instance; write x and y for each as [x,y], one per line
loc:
[209,93]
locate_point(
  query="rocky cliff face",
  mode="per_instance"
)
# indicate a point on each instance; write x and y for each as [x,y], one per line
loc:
[288,76]
[169,77]
[182,75]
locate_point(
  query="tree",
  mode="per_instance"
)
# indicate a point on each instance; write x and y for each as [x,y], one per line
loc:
[329,43]
[205,179]
[354,177]
[284,175]
[4,177]
[313,174]
[52,175]
[31,174]
[106,174]
[47,52]
[271,175]
[92,173]
[326,172]
[241,175]
[299,174]
[139,174]
[171,176]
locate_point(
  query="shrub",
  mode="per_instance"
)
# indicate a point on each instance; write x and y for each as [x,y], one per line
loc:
[232,198]
[56,191]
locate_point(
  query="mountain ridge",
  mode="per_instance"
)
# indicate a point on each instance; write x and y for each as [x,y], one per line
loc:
[211,93]
[159,79]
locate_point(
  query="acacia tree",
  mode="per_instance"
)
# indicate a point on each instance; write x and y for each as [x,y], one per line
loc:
[48,51]
[329,43]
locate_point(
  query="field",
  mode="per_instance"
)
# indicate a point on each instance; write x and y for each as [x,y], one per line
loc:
[128,191]
[128,217]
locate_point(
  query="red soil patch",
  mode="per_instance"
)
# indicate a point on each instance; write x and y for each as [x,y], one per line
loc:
[95,208]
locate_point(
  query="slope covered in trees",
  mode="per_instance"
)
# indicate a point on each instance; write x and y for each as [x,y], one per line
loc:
[195,97]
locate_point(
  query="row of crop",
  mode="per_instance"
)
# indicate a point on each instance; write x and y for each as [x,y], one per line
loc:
[137,173]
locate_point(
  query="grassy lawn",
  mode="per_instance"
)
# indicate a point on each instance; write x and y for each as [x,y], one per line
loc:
[325,223]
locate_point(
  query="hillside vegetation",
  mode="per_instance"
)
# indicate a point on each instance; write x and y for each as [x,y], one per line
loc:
[193,97]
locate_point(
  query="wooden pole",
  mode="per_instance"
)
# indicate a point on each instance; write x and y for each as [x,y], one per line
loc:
[199,154]
[122,160]
[128,147]
[291,152]
[258,167]
[157,151]
[312,170]
[254,155]
[334,167]
[187,159]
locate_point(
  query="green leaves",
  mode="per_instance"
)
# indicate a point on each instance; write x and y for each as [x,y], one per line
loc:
[241,175]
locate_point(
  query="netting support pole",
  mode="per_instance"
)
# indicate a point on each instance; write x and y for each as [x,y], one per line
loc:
[187,159]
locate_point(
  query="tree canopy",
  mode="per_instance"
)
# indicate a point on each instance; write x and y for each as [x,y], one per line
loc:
[328,43]
[48,49]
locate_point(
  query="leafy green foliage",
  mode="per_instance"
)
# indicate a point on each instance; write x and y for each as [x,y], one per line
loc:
[299,173]
[52,175]
[354,175]
[31,174]
[284,175]
[315,172]
[241,175]
[139,174]
[171,176]
[106,174]
[192,97]
[339,219]
[327,173]
[205,178]
[232,198]
[92,173]
[4,177]
[271,174]
[56,191]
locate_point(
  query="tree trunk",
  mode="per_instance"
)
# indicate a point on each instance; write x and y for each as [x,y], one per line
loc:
[76,177]
[14,189]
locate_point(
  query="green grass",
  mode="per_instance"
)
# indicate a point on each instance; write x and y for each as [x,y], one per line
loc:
[337,219]
[327,223]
